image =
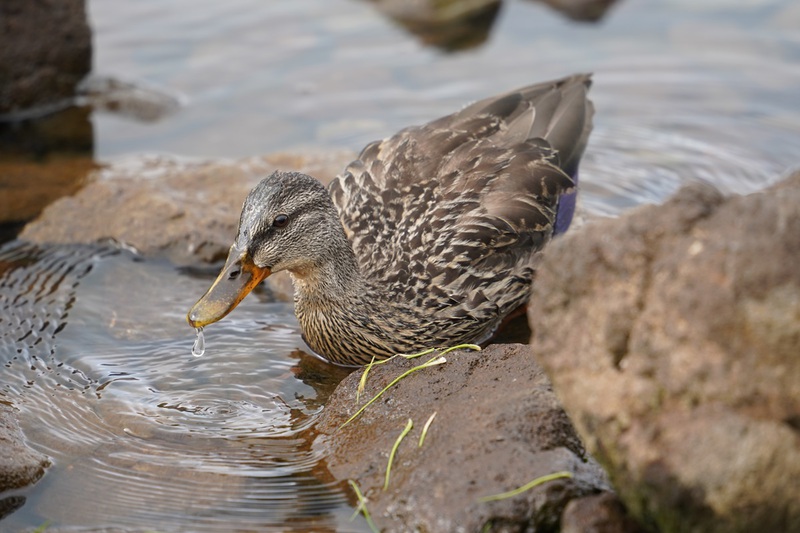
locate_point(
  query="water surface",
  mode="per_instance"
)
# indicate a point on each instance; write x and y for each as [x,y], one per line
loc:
[95,352]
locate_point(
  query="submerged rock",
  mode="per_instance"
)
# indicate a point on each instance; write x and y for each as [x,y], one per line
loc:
[672,336]
[137,101]
[498,426]
[19,464]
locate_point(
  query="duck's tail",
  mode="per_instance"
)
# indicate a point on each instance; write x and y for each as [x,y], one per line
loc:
[557,111]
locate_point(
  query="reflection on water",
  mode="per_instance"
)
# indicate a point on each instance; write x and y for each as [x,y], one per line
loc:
[96,356]
[42,160]
[266,76]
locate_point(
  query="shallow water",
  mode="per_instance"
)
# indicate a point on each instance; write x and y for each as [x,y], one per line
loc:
[141,433]
[95,350]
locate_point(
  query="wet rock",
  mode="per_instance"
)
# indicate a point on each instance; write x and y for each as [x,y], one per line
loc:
[187,211]
[498,426]
[583,10]
[137,101]
[19,465]
[46,51]
[11,504]
[672,336]
[447,24]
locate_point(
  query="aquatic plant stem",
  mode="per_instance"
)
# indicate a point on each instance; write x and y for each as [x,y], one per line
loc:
[409,425]
[528,486]
[362,507]
[431,362]
[362,383]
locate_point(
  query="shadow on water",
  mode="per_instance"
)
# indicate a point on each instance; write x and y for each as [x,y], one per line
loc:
[95,351]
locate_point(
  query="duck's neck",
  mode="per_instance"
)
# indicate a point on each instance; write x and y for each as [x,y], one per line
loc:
[342,316]
[329,284]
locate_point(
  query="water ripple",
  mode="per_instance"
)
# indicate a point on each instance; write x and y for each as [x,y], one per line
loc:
[139,431]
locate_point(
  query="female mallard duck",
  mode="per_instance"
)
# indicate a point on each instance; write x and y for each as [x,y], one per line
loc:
[427,239]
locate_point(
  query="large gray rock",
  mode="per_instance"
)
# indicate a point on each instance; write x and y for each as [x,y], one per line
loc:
[672,337]
[46,51]
[19,464]
[498,426]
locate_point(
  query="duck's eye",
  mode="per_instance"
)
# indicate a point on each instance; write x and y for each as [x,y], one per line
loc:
[280,221]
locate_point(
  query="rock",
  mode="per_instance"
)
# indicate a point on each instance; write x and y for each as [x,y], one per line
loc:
[599,513]
[447,24]
[137,101]
[497,427]
[47,50]
[187,211]
[583,10]
[672,337]
[10,505]
[19,465]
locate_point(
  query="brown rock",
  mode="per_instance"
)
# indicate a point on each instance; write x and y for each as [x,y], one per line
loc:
[19,465]
[584,10]
[599,513]
[46,51]
[447,24]
[187,211]
[672,336]
[183,210]
[498,426]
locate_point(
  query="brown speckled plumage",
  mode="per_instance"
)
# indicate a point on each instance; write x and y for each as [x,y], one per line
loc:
[430,238]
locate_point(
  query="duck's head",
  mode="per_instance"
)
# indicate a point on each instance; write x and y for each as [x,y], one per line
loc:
[288,222]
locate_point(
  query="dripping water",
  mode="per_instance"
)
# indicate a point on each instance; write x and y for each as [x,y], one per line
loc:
[199,347]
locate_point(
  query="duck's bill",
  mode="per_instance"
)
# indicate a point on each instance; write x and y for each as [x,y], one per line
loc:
[239,276]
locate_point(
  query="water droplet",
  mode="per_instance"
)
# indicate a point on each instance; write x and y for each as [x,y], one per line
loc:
[199,347]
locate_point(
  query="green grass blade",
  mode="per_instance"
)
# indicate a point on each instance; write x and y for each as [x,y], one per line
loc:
[426,364]
[362,383]
[462,347]
[362,506]
[42,527]
[405,431]
[528,486]
[415,355]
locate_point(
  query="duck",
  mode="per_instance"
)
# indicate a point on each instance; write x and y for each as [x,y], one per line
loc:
[428,239]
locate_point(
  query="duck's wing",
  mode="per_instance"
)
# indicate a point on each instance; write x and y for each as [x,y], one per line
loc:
[461,203]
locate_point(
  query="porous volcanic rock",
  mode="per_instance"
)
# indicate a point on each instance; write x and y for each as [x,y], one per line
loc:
[498,426]
[19,464]
[672,337]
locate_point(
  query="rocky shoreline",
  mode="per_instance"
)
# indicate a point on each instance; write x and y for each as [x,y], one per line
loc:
[670,336]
